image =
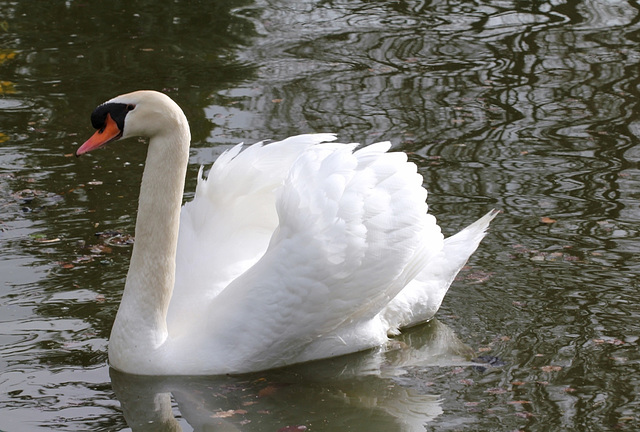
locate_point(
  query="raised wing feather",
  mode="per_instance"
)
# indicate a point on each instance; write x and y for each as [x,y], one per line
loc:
[353,231]
[227,226]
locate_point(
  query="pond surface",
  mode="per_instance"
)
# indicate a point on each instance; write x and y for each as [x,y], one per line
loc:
[529,107]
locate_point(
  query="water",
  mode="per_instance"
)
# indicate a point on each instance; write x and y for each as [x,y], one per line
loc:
[530,107]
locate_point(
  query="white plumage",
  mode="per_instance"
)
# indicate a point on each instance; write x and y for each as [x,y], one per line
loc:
[291,251]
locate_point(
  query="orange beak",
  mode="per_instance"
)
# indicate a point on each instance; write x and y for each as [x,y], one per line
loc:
[109,132]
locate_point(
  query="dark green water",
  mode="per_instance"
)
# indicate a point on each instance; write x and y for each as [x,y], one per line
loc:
[530,107]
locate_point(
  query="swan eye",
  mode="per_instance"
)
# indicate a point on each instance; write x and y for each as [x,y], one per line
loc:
[130,107]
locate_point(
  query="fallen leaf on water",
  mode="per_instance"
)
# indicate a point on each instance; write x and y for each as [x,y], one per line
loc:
[519,402]
[269,390]
[477,277]
[100,249]
[551,368]
[83,259]
[41,238]
[547,220]
[120,240]
[226,414]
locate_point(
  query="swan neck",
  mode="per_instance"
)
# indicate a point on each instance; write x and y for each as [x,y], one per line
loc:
[141,320]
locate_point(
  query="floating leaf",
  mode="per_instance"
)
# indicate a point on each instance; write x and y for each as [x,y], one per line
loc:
[268,391]
[551,368]
[100,249]
[7,87]
[228,413]
[42,238]
[547,220]
[120,240]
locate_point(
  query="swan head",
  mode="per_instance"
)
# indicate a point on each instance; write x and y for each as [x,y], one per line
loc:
[143,113]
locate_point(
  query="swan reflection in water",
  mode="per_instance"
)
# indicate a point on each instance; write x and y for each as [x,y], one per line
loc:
[381,387]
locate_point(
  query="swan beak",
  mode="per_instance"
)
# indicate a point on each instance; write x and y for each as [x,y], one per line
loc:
[109,132]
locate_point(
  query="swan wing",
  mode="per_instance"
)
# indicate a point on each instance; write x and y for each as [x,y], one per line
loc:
[353,231]
[228,224]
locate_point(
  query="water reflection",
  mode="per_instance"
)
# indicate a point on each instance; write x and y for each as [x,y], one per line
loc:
[381,387]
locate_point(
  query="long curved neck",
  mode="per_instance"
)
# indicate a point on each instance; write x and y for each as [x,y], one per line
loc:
[140,324]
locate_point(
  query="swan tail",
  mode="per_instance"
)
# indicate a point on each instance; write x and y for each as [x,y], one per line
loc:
[421,298]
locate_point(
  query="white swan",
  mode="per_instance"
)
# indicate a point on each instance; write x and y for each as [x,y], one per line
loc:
[292,251]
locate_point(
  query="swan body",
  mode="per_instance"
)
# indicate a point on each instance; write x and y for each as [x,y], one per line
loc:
[292,251]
